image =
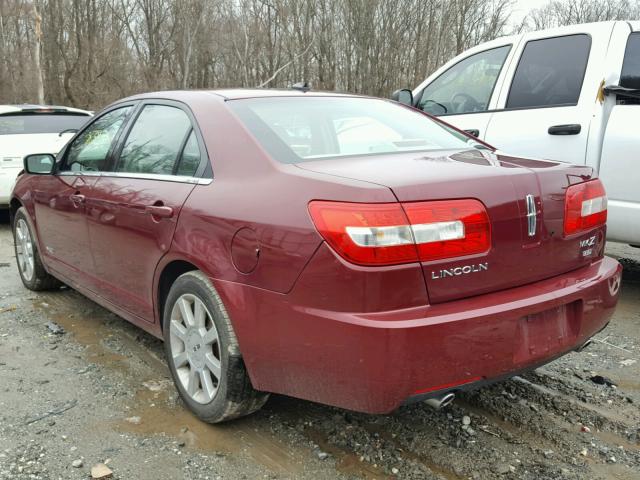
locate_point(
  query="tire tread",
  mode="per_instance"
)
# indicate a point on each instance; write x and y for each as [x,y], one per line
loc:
[42,280]
[241,398]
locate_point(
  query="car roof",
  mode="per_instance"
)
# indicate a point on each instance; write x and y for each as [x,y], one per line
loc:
[40,109]
[238,93]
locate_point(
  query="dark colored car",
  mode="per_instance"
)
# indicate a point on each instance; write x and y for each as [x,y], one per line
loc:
[341,249]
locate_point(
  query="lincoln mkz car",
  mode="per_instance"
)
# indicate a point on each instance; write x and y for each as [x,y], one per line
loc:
[336,248]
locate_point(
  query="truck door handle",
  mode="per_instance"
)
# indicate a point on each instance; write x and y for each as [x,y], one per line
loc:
[473,131]
[160,211]
[571,129]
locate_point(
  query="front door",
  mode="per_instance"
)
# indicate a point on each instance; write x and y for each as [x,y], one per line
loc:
[61,222]
[60,199]
[548,100]
[134,209]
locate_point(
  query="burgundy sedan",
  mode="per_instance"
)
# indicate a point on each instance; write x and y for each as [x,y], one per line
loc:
[341,249]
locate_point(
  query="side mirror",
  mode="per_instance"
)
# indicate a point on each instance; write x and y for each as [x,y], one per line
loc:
[39,163]
[404,96]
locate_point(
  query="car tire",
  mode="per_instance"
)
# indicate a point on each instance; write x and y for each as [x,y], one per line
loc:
[32,272]
[203,354]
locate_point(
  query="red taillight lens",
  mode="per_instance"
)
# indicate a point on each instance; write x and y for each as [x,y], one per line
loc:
[585,207]
[368,234]
[470,215]
[393,233]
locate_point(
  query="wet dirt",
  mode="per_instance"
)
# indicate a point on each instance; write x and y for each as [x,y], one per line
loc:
[101,392]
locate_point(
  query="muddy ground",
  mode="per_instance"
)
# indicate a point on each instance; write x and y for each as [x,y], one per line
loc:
[101,392]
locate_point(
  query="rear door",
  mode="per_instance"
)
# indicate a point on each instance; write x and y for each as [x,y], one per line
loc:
[465,90]
[133,209]
[620,164]
[546,104]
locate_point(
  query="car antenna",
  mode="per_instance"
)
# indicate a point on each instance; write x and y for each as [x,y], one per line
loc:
[302,86]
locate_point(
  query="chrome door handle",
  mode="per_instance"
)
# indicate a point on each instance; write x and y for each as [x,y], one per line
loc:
[160,211]
[77,198]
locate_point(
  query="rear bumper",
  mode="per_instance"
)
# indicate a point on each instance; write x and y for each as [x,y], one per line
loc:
[374,362]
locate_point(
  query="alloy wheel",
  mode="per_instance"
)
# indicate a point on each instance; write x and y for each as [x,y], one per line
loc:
[24,250]
[195,348]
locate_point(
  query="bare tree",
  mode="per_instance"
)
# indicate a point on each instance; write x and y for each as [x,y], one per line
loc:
[568,12]
[88,53]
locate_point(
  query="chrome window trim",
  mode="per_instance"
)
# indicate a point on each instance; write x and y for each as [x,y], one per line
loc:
[143,176]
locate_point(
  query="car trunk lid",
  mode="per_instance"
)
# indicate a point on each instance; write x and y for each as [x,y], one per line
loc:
[524,200]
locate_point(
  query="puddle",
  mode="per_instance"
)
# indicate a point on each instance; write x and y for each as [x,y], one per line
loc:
[159,417]
[434,467]
[346,462]
[89,332]
[517,432]
[152,403]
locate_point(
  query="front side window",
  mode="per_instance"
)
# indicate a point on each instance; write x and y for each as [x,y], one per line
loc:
[467,86]
[36,123]
[550,72]
[88,152]
[630,76]
[298,129]
[155,141]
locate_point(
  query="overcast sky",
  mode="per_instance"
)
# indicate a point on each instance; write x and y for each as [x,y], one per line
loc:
[522,7]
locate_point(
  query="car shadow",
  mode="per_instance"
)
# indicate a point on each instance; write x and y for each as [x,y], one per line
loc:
[4,217]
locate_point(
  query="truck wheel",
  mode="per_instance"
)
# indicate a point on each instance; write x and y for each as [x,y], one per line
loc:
[203,353]
[32,272]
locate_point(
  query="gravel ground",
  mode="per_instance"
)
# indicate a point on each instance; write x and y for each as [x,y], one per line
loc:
[100,393]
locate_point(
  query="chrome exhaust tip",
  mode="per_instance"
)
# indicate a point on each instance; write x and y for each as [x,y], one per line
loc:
[440,402]
[584,345]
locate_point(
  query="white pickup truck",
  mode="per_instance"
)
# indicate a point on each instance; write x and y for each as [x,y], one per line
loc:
[570,94]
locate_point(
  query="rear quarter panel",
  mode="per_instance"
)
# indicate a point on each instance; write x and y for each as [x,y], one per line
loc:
[251,224]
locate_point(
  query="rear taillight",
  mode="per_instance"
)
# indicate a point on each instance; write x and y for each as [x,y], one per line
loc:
[585,207]
[393,233]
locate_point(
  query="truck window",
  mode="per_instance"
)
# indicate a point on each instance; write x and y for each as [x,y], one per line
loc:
[550,72]
[630,76]
[467,86]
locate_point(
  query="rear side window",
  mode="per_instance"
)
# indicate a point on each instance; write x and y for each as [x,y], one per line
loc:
[155,141]
[550,72]
[190,159]
[30,123]
[630,76]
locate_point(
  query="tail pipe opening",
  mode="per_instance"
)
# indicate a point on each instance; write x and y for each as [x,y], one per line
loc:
[584,345]
[440,402]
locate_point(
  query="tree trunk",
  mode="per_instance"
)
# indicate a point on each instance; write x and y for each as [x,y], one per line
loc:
[37,19]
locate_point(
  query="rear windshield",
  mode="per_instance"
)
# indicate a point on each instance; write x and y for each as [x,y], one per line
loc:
[39,123]
[298,129]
